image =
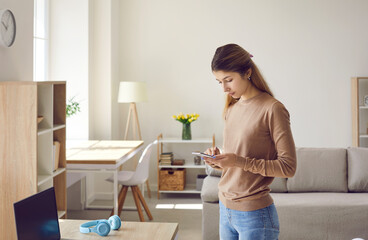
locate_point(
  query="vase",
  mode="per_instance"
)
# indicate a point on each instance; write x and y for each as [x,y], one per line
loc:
[187,132]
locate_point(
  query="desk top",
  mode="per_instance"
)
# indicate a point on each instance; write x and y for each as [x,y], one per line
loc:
[69,229]
[99,152]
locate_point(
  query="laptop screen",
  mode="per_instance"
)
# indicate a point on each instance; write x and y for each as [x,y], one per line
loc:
[36,217]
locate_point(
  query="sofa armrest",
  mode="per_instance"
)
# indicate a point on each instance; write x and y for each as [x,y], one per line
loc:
[210,171]
[209,191]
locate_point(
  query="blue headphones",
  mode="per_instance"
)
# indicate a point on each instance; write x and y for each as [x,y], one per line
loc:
[101,227]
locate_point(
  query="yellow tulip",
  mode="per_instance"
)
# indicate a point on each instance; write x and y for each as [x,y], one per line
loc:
[189,117]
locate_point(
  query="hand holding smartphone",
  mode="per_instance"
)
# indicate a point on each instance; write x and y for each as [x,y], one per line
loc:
[203,154]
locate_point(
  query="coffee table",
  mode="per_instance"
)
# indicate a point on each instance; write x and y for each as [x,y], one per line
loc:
[69,229]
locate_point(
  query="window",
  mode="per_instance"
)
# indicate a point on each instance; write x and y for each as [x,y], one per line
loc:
[40,40]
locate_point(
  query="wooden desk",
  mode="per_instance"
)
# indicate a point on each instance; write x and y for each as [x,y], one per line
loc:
[100,156]
[69,229]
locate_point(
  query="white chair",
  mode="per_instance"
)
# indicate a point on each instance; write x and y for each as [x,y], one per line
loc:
[133,179]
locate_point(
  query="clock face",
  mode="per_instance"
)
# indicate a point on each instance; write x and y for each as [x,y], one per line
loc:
[7,28]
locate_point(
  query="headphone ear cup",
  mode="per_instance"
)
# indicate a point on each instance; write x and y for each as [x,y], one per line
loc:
[103,228]
[115,222]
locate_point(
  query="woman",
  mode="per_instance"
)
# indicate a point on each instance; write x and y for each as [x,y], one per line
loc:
[258,146]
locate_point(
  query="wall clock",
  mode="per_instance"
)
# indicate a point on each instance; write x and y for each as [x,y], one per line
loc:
[7,28]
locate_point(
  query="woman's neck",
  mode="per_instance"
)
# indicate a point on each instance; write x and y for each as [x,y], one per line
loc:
[250,92]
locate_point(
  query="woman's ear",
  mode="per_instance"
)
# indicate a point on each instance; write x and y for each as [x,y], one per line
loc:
[249,73]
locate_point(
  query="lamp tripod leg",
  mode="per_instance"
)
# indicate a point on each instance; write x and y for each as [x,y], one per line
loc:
[128,122]
[135,116]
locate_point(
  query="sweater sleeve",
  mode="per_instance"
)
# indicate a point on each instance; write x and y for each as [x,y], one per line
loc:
[285,164]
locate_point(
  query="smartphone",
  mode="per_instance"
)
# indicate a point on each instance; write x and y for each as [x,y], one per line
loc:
[203,154]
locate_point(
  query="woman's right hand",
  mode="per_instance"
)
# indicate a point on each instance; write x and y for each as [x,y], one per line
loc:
[212,151]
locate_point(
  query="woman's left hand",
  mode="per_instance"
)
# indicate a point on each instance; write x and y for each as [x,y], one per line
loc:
[226,160]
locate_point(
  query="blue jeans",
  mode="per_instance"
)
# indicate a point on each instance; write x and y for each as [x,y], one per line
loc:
[261,224]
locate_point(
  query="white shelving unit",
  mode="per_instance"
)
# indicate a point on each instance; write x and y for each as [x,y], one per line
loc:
[189,164]
[359,87]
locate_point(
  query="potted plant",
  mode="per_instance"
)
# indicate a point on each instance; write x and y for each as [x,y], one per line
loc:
[72,107]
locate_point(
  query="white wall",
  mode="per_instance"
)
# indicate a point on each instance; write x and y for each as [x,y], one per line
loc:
[307,51]
[16,62]
[69,57]
[115,67]
[100,70]
[104,78]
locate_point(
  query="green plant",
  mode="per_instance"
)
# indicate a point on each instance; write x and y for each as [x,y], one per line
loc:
[72,107]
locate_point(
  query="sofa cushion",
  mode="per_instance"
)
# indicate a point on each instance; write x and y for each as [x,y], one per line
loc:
[322,215]
[358,169]
[209,191]
[278,185]
[319,170]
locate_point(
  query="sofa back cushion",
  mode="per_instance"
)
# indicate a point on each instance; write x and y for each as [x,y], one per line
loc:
[358,169]
[319,170]
[278,185]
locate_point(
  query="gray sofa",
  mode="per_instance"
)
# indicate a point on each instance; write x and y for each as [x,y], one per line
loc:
[326,199]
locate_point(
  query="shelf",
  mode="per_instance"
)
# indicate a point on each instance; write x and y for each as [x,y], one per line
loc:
[186,165]
[61,214]
[58,126]
[189,164]
[178,140]
[21,105]
[186,190]
[359,113]
[41,131]
[43,179]
[58,171]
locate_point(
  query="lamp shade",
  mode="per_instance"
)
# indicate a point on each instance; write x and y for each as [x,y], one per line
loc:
[132,92]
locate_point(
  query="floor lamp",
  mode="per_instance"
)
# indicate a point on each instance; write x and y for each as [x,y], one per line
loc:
[133,92]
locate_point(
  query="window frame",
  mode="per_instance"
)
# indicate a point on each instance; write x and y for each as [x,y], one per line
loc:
[37,76]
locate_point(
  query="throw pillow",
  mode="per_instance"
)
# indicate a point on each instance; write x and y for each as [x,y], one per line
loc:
[278,185]
[358,169]
[319,170]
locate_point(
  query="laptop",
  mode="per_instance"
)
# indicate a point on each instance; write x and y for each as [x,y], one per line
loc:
[36,217]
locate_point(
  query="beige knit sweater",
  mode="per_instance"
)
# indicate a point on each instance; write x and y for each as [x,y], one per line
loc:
[258,131]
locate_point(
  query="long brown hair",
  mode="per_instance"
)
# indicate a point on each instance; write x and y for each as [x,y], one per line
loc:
[233,58]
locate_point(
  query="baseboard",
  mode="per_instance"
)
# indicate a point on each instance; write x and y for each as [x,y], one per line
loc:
[110,195]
